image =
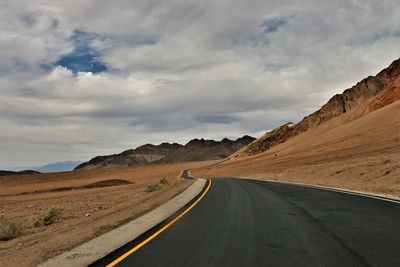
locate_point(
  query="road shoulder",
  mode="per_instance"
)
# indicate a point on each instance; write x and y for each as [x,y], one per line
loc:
[99,247]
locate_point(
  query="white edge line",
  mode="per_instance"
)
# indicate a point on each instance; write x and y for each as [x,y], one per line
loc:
[325,188]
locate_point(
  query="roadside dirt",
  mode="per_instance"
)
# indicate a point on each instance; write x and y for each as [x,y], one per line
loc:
[375,172]
[93,203]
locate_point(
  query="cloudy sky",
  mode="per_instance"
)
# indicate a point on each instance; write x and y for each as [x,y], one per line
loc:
[83,78]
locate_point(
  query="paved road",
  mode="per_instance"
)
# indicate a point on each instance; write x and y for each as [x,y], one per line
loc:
[186,174]
[252,223]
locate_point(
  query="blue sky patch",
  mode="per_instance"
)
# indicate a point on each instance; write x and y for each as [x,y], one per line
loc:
[83,58]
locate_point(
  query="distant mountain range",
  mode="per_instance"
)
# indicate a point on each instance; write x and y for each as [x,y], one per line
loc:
[58,166]
[366,96]
[194,150]
[51,167]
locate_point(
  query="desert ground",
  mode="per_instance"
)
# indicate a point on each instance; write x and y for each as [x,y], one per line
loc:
[92,202]
[359,155]
[349,152]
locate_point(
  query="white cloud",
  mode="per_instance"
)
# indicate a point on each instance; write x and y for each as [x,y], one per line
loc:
[177,70]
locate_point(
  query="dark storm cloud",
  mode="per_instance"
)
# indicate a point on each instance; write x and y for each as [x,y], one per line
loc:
[272,25]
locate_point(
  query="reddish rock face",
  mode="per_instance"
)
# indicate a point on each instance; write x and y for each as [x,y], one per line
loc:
[390,72]
[342,103]
[375,91]
[390,94]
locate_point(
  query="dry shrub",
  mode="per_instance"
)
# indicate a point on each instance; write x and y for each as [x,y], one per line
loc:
[49,217]
[9,228]
[152,187]
[164,181]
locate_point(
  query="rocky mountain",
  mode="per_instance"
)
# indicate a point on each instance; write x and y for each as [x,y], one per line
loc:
[371,93]
[390,94]
[268,140]
[195,150]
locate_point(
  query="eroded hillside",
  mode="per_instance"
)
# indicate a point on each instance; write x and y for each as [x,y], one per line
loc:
[385,86]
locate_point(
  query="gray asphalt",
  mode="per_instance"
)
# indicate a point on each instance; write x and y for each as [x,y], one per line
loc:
[253,223]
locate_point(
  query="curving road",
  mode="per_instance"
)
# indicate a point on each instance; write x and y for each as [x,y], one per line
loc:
[253,223]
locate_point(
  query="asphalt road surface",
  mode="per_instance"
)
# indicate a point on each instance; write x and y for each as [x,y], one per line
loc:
[253,223]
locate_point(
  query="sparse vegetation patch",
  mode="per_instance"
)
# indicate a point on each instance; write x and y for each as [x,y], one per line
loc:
[9,228]
[49,217]
[152,187]
[164,181]
[156,186]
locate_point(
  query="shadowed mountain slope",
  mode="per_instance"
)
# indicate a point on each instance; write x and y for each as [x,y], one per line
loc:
[195,150]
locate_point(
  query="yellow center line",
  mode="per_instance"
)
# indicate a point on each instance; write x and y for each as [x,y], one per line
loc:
[126,254]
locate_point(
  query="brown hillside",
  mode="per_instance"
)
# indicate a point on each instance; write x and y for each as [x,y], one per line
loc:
[385,84]
[267,141]
[361,154]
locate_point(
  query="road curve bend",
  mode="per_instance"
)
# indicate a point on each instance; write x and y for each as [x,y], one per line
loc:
[241,222]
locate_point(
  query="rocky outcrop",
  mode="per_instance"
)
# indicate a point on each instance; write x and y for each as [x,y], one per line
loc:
[268,140]
[390,72]
[342,103]
[194,150]
[380,90]
[390,94]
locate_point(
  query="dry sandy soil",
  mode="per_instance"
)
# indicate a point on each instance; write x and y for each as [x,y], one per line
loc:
[93,202]
[350,152]
[361,155]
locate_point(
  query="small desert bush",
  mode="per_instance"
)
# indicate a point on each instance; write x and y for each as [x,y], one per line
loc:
[9,228]
[48,217]
[152,187]
[164,181]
